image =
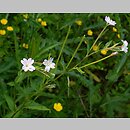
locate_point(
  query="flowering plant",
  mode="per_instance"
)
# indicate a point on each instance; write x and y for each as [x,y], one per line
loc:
[69,65]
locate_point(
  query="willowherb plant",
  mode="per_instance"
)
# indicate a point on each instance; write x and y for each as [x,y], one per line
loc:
[116,48]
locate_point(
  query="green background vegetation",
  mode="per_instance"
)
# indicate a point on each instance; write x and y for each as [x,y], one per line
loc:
[103,90]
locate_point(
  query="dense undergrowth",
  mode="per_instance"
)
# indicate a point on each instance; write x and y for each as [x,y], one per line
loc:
[88,77]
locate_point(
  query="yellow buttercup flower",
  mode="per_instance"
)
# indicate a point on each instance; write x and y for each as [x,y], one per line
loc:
[25,16]
[118,35]
[39,20]
[25,46]
[2,32]
[57,106]
[43,23]
[4,21]
[95,47]
[78,22]
[114,29]
[90,32]
[104,51]
[10,28]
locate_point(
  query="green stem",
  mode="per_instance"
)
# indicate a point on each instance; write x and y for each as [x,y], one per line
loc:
[96,61]
[82,103]
[68,86]
[59,76]
[97,38]
[16,49]
[63,46]
[24,103]
[7,15]
[18,109]
[84,59]
[87,55]
[71,57]
[75,51]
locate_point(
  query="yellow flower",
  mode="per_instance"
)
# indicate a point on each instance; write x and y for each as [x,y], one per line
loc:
[118,35]
[95,48]
[114,29]
[25,16]
[2,32]
[43,23]
[10,28]
[25,46]
[4,21]
[39,20]
[57,106]
[90,32]
[104,51]
[78,22]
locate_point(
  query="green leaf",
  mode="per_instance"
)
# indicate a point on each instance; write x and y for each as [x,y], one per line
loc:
[43,50]
[34,44]
[108,44]
[21,76]
[122,63]
[8,115]
[11,84]
[94,76]
[115,73]
[10,102]
[36,106]
[7,65]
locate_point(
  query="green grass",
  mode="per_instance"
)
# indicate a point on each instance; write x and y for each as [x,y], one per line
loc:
[86,82]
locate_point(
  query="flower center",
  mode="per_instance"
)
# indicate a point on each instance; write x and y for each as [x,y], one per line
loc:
[48,63]
[26,65]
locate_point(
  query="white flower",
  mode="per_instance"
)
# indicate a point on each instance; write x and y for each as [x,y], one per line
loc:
[27,64]
[109,21]
[124,47]
[49,64]
[115,53]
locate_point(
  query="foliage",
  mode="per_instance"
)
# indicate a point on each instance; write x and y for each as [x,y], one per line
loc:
[87,82]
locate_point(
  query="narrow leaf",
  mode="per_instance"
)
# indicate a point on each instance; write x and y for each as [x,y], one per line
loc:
[36,106]
[10,102]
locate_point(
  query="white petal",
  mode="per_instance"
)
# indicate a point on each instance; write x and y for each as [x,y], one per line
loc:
[125,43]
[51,59]
[31,68]
[52,65]
[45,62]
[30,61]
[109,21]
[124,48]
[25,68]
[47,68]
[126,51]
[24,61]
[114,23]
[106,18]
